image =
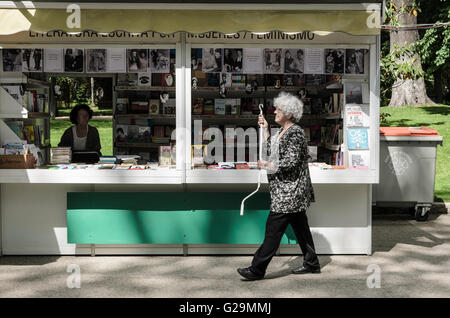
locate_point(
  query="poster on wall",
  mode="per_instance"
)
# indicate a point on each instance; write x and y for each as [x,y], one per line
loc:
[137,60]
[355,61]
[273,61]
[212,60]
[53,60]
[116,60]
[12,60]
[232,60]
[74,60]
[294,61]
[96,60]
[32,60]
[253,61]
[314,61]
[159,60]
[334,61]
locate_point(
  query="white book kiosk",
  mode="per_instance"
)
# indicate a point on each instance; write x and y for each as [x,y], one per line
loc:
[33,202]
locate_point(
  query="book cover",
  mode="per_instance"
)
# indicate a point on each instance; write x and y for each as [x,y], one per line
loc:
[208,107]
[197,106]
[153,108]
[358,138]
[219,106]
[359,159]
[170,107]
[357,115]
[121,105]
[144,134]
[236,106]
[164,155]
[121,133]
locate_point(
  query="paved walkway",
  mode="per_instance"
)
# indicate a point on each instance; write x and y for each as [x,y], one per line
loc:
[413,257]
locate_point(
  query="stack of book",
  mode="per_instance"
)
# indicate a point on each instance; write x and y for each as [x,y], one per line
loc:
[107,160]
[61,155]
[14,149]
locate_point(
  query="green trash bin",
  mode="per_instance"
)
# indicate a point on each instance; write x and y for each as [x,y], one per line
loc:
[407,169]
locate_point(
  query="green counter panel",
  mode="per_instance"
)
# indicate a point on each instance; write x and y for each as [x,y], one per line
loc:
[167,218]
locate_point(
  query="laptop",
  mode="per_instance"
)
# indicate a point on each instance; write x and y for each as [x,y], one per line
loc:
[85,157]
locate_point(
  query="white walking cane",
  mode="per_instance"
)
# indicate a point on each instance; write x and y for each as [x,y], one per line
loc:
[259,157]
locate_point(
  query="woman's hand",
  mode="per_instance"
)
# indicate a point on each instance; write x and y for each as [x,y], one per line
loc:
[263,121]
[263,164]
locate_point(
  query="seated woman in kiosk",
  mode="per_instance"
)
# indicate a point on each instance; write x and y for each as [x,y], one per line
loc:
[82,137]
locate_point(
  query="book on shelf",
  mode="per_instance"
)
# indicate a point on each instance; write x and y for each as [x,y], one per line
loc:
[169,107]
[160,140]
[312,151]
[121,133]
[307,133]
[235,106]
[219,106]
[60,155]
[357,115]
[165,155]
[107,159]
[154,106]
[208,107]
[139,107]
[237,80]
[168,131]
[357,138]
[197,154]
[315,131]
[359,159]
[122,105]
[15,149]
[144,79]
[197,106]
[127,79]
[144,134]
[158,131]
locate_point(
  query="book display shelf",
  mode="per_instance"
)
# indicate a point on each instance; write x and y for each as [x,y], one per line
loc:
[25,115]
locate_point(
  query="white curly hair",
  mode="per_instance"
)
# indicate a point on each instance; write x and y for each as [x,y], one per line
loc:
[289,104]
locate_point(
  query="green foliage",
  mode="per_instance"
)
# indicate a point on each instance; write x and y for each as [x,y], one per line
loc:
[384,119]
[434,46]
[74,90]
[398,63]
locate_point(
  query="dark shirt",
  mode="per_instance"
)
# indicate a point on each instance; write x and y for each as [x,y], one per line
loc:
[290,185]
[92,140]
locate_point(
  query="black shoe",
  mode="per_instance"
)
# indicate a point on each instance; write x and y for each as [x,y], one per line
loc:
[248,274]
[306,270]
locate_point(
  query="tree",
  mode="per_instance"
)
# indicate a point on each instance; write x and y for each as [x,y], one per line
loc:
[434,46]
[403,61]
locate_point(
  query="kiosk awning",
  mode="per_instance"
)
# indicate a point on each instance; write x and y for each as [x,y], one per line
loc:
[355,22]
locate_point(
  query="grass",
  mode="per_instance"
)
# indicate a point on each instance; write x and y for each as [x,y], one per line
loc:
[57,128]
[436,117]
[96,110]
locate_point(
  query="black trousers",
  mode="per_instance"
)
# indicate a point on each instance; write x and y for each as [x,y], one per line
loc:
[276,225]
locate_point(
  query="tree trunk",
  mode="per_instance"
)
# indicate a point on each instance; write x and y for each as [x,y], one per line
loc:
[407,92]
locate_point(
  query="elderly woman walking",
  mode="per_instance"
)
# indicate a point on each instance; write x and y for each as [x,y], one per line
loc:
[290,188]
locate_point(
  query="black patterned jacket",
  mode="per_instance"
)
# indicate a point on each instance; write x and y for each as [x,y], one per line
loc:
[290,184]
